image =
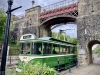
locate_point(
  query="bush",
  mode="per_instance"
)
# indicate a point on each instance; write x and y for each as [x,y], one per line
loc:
[14,51]
[10,71]
[37,69]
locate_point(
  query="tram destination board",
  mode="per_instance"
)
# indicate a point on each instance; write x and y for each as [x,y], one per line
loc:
[27,37]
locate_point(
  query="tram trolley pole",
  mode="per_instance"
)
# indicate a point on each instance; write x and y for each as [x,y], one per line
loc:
[4,53]
[69,66]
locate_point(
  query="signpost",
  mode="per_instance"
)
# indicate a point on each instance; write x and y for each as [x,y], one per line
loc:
[82,51]
[4,54]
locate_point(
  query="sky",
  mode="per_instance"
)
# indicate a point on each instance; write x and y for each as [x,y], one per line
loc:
[26,4]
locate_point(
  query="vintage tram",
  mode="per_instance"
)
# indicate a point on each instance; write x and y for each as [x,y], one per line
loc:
[47,50]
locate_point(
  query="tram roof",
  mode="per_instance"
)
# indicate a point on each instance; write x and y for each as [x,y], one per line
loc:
[53,39]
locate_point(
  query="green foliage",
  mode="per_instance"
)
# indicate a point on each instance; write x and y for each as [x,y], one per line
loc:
[37,69]
[14,51]
[97,50]
[73,40]
[2,23]
[60,36]
[10,72]
[2,26]
[54,34]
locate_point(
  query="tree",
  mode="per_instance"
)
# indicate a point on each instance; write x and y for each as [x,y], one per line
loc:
[2,23]
[2,26]
[60,36]
[97,50]
[73,40]
[54,34]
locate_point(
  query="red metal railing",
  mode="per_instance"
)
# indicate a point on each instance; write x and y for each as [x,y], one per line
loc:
[72,8]
[58,5]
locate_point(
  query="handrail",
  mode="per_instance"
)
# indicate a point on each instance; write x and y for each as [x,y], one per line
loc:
[58,5]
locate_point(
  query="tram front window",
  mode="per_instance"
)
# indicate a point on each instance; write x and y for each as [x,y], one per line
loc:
[25,48]
[36,48]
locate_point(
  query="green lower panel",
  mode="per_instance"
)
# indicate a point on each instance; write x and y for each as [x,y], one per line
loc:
[53,61]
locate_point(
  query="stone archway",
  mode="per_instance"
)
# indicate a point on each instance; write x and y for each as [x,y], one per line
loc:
[45,27]
[90,44]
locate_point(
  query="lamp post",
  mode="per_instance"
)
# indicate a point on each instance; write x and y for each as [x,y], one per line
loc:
[33,3]
[4,54]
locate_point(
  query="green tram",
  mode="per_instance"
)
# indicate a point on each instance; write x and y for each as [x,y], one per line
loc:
[45,50]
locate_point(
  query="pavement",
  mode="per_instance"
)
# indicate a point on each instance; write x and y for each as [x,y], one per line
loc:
[93,69]
[9,64]
[12,63]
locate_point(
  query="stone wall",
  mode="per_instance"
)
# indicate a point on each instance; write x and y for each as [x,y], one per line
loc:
[88,26]
[45,31]
[29,23]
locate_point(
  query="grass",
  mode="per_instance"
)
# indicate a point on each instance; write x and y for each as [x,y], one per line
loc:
[10,72]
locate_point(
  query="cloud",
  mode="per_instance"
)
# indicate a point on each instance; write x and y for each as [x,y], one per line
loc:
[26,4]
[42,3]
[16,3]
[3,4]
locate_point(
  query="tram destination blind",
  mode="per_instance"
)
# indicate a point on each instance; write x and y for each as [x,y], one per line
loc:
[27,37]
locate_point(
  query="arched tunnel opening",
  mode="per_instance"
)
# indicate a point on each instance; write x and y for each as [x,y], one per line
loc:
[91,54]
[55,22]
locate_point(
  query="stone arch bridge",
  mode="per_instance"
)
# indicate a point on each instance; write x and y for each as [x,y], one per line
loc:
[85,13]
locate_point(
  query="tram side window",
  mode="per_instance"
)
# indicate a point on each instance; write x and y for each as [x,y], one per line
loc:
[56,49]
[25,48]
[33,49]
[36,48]
[72,50]
[46,48]
[64,51]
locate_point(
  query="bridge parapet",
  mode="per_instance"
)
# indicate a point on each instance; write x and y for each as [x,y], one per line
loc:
[58,5]
[70,9]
